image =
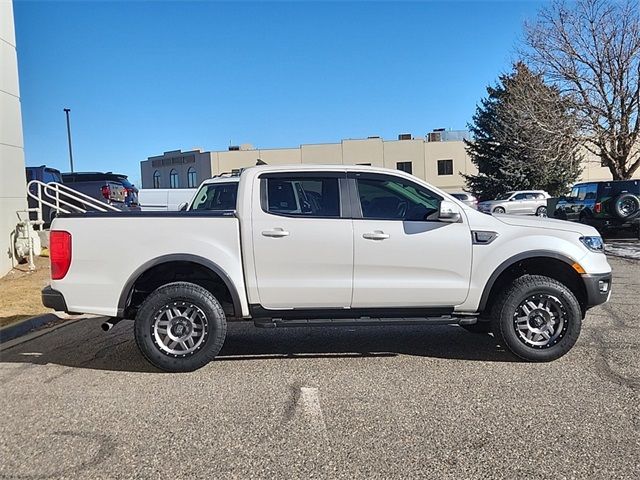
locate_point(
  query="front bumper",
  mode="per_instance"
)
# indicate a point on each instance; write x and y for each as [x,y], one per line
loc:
[598,288]
[54,299]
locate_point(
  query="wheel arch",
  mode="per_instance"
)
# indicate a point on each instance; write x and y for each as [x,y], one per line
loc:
[217,272]
[540,262]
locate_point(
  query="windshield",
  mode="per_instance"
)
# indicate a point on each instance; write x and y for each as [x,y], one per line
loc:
[504,196]
[216,196]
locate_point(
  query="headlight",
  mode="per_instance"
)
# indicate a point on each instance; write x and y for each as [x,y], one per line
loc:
[594,244]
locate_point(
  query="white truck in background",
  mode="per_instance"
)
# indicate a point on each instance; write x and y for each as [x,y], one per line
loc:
[327,245]
[164,199]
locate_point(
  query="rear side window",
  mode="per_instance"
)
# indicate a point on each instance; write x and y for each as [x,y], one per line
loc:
[49,176]
[520,196]
[216,196]
[303,196]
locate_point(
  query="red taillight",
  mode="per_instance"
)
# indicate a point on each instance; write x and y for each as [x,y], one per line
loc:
[597,207]
[60,253]
[106,191]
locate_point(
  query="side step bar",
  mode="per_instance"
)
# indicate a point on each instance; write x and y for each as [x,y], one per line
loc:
[363,321]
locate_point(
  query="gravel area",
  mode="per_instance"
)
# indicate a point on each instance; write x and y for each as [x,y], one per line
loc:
[368,402]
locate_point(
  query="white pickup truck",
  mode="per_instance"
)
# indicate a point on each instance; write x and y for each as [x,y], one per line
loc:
[326,245]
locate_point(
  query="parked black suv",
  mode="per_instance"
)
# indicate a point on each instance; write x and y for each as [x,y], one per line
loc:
[46,175]
[604,205]
[113,188]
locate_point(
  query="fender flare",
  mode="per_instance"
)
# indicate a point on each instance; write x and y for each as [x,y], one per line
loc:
[512,261]
[127,290]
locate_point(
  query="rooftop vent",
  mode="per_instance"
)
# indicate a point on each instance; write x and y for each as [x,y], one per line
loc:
[234,148]
[405,136]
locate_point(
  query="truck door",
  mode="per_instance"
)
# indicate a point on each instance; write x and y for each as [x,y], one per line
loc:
[303,241]
[404,256]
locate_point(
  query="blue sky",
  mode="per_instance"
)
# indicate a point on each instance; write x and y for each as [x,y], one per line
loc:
[145,77]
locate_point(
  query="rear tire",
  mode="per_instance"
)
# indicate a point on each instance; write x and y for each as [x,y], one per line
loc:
[538,318]
[541,212]
[180,327]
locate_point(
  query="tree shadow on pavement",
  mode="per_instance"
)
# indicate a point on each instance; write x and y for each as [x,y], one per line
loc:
[82,344]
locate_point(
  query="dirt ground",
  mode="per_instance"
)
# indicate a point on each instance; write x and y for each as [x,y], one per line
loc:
[20,292]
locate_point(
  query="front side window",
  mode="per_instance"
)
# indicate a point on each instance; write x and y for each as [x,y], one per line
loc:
[216,196]
[302,196]
[156,179]
[192,179]
[173,179]
[445,167]
[386,198]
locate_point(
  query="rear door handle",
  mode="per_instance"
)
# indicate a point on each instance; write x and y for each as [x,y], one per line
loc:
[275,233]
[376,235]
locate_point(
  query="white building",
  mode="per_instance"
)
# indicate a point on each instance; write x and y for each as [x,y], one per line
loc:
[12,174]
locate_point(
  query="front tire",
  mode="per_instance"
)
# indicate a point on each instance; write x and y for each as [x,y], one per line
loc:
[180,327]
[538,318]
[499,210]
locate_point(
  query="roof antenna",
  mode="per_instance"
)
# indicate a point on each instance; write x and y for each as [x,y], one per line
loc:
[260,162]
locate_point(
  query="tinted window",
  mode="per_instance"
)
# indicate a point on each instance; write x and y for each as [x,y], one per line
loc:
[582,192]
[405,167]
[591,191]
[216,196]
[396,199]
[445,167]
[303,196]
[460,196]
[49,176]
[520,196]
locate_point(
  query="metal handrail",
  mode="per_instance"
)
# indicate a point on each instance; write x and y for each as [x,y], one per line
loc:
[61,197]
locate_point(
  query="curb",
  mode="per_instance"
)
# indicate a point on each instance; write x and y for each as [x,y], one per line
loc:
[25,326]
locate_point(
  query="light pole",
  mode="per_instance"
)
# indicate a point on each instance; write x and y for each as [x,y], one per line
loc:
[66,111]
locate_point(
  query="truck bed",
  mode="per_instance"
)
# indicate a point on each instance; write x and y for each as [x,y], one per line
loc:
[110,250]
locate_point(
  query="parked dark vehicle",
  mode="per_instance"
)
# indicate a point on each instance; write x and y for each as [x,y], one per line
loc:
[112,188]
[46,175]
[604,205]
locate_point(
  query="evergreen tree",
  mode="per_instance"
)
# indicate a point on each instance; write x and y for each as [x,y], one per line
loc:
[524,138]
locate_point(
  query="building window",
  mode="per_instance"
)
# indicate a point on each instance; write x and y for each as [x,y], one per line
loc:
[445,167]
[156,179]
[404,167]
[192,178]
[173,179]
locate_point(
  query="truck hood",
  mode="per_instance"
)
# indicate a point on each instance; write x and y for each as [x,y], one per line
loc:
[547,223]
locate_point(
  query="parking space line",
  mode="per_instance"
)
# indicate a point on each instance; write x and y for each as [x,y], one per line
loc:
[310,401]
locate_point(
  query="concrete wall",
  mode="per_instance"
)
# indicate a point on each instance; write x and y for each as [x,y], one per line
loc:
[12,176]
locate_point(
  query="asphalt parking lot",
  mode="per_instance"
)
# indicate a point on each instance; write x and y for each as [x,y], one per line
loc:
[374,402]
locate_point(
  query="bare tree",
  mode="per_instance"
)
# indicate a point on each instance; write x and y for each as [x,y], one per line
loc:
[590,50]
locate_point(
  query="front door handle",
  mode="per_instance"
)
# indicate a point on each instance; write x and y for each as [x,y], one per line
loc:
[376,235]
[275,233]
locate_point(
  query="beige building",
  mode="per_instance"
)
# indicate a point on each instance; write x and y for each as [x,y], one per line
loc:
[440,158]
[12,175]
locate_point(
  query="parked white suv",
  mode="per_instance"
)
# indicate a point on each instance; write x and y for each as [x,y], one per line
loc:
[327,245]
[524,202]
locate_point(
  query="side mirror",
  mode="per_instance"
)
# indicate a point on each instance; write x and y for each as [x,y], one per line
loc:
[183,206]
[449,212]
[511,199]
